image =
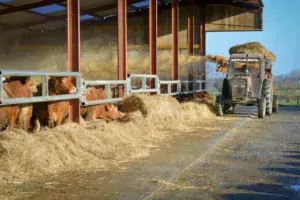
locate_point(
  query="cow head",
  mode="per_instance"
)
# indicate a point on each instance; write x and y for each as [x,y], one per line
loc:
[62,85]
[22,79]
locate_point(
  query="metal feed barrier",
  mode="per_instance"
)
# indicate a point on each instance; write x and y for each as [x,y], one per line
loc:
[169,91]
[144,88]
[82,86]
[107,85]
[45,95]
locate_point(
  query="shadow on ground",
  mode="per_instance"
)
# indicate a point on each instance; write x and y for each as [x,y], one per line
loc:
[285,182]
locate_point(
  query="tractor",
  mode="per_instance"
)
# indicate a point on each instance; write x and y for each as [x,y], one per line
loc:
[248,82]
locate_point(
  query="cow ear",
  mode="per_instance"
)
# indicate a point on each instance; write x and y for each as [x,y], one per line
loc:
[7,78]
[109,107]
[25,79]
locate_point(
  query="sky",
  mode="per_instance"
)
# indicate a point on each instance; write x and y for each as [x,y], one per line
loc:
[281,35]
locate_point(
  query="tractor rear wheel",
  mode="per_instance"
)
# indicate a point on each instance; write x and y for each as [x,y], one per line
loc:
[267,93]
[218,105]
[275,104]
[262,107]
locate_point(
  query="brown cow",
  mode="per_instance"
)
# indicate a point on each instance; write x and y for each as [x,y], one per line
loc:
[54,113]
[16,115]
[103,111]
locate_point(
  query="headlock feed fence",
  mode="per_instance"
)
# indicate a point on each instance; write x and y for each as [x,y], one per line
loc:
[82,85]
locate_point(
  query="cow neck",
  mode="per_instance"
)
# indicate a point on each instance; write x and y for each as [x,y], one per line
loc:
[7,89]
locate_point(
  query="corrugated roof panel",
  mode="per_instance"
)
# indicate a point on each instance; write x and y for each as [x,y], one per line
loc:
[141,4]
[86,17]
[4,1]
[49,9]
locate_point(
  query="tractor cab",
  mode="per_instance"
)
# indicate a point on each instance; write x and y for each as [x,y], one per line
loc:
[244,77]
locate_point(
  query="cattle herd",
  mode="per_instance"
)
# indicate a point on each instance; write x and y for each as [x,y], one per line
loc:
[29,117]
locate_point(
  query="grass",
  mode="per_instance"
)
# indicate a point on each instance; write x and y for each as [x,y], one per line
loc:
[291,103]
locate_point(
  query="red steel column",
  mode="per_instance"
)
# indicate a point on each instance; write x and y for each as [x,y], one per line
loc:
[175,75]
[203,39]
[122,43]
[153,38]
[191,38]
[202,32]
[74,51]
[191,28]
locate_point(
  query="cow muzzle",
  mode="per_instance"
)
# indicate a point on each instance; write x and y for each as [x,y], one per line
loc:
[73,90]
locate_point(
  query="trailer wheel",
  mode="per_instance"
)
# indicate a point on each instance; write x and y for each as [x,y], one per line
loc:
[275,103]
[266,91]
[262,107]
[218,105]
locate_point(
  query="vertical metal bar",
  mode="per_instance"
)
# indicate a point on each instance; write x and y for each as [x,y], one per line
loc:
[157,84]
[1,87]
[128,86]
[169,88]
[175,41]
[83,95]
[122,43]
[191,28]
[74,51]
[45,86]
[194,86]
[179,87]
[153,39]
[144,83]
[191,38]
[107,93]
[203,39]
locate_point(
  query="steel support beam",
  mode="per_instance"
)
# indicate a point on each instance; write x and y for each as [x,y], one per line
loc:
[74,51]
[203,40]
[175,75]
[122,43]
[191,38]
[153,39]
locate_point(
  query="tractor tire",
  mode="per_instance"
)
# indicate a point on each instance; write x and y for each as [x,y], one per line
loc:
[225,95]
[225,89]
[218,105]
[228,109]
[262,107]
[275,104]
[267,91]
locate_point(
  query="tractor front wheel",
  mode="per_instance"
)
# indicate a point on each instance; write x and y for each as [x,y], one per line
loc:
[267,93]
[218,105]
[262,107]
[275,103]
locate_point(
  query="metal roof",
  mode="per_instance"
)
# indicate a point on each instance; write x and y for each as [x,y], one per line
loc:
[40,15]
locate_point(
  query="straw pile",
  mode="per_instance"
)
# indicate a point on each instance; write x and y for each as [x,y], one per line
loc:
[252,48]
[99,145]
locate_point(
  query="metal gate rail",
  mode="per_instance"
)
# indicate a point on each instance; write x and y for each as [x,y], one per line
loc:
[144,84]
[45,93]
[107,85]
[169,91]
[82,86]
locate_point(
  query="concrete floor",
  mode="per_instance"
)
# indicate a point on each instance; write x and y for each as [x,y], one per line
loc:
[258,160]
[242,158]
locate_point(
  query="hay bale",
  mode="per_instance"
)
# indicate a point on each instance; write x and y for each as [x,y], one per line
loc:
[153,107]
[220,60]
[252,48]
